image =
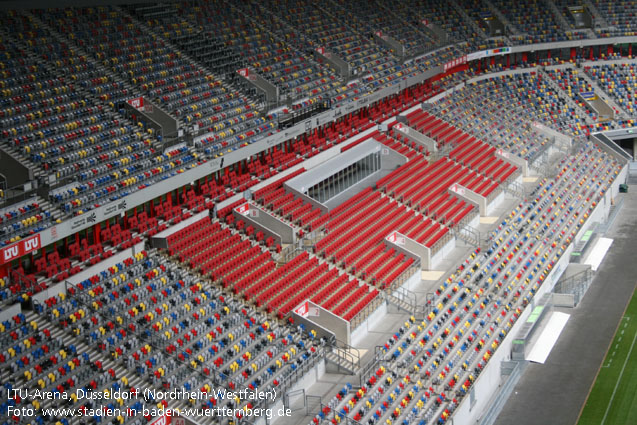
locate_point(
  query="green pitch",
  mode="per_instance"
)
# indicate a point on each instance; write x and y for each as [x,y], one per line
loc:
[613,398]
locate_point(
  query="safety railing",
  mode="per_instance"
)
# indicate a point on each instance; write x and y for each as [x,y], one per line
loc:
[406,275]
[347,354]
[576,285]
[468,234]
[362,315]
[441,243]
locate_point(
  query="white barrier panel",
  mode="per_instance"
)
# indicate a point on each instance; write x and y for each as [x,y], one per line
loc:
[597,254]
[549,336]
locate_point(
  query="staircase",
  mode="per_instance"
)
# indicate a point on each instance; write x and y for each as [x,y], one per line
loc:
[515,189]
[599,21]
[569,101]
[605,97]
[468,234]
[186,57]
[558,15]
[406,300]
[442,152]
[468,19]
[512,29]
[345,357]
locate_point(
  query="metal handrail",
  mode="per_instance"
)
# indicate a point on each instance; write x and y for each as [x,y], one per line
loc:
[351,354]
[404,295]
[362,315]
[570,283]
[406,275]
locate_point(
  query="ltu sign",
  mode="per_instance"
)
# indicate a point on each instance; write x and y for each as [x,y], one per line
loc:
[137,103]
[23,247]
[11,253]
[32,244]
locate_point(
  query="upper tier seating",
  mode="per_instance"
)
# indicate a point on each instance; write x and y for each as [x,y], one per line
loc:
[174,82]
[619,82]
[60,131]
[443,15]
[479,11]
[563,5]
[373,63]
[261,45]
[370,17]
[620,15]
[167,20]
[535,21]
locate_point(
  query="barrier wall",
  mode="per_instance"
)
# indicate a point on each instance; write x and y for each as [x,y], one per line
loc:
[438,257]
[410,248]
[515,160]
[495,203]
[470,197]
[324,319]
[261,220]
[361,332]
[601,211]
[160,239]
[563,300]
[416,136]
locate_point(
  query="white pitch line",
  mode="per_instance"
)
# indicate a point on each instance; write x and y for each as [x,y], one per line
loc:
[621,373]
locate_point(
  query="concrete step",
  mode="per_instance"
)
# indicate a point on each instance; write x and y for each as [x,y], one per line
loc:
[403,305]
[341,362]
